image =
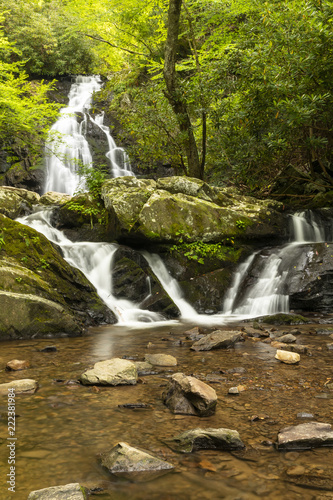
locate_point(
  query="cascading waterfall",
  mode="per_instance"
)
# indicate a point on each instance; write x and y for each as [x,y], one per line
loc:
[67,148]
[259,286]
[268,294]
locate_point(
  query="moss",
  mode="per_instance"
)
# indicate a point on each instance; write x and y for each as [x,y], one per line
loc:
[283,319]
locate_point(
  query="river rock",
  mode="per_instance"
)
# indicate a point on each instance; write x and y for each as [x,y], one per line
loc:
[287,357]
[208,439]
[144,368]
[17,364]
[113,372]
[41,293]
[305,436]
[161,359]
[23,386]
[125,458]
[72,491]
[287,339]
[217,340]
[189,396]
[300,348]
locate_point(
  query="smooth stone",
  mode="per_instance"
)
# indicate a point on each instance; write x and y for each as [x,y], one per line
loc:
[304,414]
[287,357]
[72,491]
[189,396]
[144,368]
[300,348]
[17,364]
[305,436]
[26,385]
[233,390]
[287,339]
[113,372]
[217,340]
[161,359]
[125,458]
[207,439]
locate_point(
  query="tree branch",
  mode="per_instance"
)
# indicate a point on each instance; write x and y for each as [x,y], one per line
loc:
[99,39]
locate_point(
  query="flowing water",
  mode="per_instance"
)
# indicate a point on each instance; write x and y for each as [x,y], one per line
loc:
[62,428]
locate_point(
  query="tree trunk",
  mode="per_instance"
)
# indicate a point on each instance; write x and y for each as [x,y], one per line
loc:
[173,93]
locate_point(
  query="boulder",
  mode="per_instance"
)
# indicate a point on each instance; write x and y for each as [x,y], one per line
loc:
[161,359]
[15,202]
[189,396]
[125,458]
[53,198]
[17,364]
[290,358]
[23,386]
[305,436]
[113,372]
[288,338]
[217,340]
[72,491]
[207,439]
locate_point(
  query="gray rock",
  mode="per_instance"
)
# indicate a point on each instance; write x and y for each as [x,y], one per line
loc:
[125,458]
[113,372]
[189,396]
[72,491]
[144,368]
[207,439]
[305,436]
[161,359]
[217,340]
[287,339]
[233,390]
[23,386]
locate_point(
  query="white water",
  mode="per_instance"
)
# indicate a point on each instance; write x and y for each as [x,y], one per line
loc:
[67,148]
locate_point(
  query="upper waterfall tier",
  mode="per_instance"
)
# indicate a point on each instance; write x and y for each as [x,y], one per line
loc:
[67,148]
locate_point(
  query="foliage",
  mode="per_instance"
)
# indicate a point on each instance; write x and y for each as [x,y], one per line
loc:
[45,38]
[199,251]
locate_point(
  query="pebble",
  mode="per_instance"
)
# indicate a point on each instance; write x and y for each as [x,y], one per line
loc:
[233,390]
[297,470]
[304,414]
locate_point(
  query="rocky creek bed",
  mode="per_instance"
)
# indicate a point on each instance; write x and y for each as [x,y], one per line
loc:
[64,426]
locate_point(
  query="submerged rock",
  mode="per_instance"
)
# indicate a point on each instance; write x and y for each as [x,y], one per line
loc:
[113,371]
[17,364]
[72,491]
[305,436]
[125,458]
[161,359]
[189,396]
[217,340]
[207,439]
[290,358]
[23,386]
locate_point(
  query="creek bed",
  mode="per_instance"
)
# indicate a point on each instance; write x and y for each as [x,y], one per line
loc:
[62,428]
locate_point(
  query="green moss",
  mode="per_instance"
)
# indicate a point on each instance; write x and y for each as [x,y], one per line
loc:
[201,252]
[284,319]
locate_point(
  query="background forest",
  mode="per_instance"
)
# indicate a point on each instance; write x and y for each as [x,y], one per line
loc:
[232,91]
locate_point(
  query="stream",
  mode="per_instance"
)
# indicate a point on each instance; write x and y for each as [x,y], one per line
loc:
[63,427]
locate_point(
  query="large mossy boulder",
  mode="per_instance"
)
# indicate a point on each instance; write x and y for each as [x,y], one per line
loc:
[41,294]
[179,209]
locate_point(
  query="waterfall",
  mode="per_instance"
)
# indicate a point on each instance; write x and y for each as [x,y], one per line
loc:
[254,293]
[67,148]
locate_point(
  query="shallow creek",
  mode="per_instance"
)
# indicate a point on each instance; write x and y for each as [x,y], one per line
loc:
[64,426]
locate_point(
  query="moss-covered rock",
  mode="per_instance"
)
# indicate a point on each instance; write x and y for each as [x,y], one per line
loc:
[283,319]
[53,198]
[39,287]
[15,202]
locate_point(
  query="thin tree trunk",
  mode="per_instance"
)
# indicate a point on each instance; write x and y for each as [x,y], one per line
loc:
[173,93]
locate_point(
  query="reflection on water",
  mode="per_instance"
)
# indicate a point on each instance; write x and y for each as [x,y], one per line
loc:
[64,426]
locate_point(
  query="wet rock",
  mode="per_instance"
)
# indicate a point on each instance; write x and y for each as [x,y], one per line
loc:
[15,202]
[287,357]
[207,439]
[329,347]
[253,332]
[23,386]
[297,470]
[125,458]
[189,396]
[161,359]
[17,364]
[287,339]
[284,319]
[144,368]
[217,340]
[54,198]
[233,390]
[113,372]
[72,491]
[194,334]
[49,348]
[324,331]
[305,414]
[305,436]
[237,369]
[299,348]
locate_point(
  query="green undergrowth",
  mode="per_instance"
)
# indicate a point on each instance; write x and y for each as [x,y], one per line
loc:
[200,252]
